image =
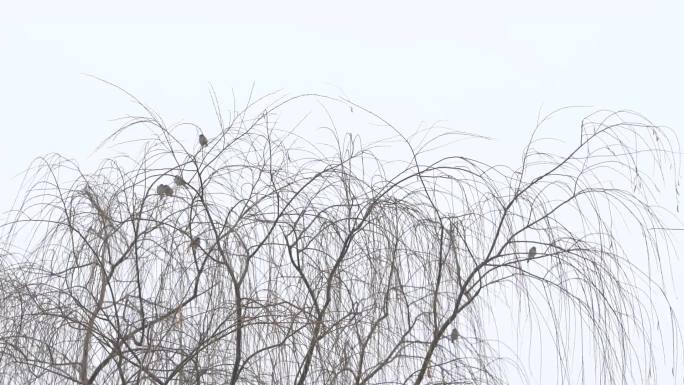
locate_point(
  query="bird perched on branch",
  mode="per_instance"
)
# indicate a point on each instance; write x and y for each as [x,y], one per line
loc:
[179,181]
[454,335]
[531,253]
[164,190]
[203,140]
[194,243]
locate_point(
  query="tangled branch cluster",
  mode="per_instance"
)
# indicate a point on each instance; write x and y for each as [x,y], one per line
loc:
[268,260]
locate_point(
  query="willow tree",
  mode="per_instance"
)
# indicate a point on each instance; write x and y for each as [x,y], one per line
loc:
[270,259]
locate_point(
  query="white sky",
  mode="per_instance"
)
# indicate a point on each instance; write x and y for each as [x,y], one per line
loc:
[485,67]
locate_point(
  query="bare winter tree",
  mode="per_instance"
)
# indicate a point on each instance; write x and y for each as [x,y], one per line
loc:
[273,260]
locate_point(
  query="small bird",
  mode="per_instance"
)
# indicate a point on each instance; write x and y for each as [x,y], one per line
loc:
[203,140]
[531,253]
[454,335]
[179,181]
[194,244]
[179,318]
[164,190]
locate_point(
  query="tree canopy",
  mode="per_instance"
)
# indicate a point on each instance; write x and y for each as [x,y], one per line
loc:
[272,259]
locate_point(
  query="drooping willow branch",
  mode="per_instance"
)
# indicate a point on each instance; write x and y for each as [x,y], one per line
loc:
[267,258]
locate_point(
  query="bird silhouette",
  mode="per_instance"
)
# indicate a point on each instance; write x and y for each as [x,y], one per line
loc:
[531,253]
[164,190]
[194,244]
[203,140]
[454,335]
[179,181]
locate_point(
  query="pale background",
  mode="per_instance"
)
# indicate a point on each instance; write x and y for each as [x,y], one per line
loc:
[484,67]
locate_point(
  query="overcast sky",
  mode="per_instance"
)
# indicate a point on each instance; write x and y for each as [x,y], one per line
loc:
[485,67]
